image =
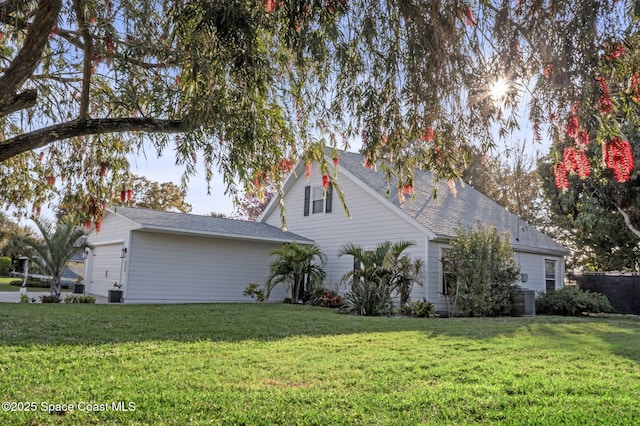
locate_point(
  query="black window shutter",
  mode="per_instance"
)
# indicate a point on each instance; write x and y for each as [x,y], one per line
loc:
[307,198]
[329,202]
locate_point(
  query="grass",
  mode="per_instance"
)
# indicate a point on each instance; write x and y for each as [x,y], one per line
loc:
[284,364]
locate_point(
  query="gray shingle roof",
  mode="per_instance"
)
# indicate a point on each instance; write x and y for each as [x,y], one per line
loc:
[207,225]
[444,215]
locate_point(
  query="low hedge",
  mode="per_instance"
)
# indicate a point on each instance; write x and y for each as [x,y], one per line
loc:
[572,301]
[35,283]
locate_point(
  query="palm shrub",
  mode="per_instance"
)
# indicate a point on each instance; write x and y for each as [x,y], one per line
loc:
[56,248]
[296,267]
[485,271]
[572,301]
[385,271]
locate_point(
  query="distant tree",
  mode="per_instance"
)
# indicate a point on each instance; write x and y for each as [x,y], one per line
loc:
[56,248]
[251,204]
[511,180]
[164,196]
[12,237]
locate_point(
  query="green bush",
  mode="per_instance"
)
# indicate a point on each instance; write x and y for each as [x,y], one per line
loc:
[572,301]
[419,309]
[83,298]
[50,299]
[5,266]
[35,283]
[254,291]
[368,297]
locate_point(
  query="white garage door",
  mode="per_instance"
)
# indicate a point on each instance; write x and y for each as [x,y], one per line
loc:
[106,267]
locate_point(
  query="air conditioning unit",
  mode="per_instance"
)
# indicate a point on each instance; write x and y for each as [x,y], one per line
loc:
[524,304]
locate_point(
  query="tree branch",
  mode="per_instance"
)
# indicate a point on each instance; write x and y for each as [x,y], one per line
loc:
[42,137]
[21,101]
[27,60]
[627,221]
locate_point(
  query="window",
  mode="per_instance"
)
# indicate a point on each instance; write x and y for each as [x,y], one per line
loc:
[550,274]
[448,273]
[318,199]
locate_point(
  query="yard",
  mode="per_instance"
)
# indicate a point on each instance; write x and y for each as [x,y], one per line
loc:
[284,364]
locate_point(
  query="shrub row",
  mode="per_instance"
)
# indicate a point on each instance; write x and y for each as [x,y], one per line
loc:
[35,283]
[572,301]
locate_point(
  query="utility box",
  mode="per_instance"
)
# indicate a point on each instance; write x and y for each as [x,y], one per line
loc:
[524,303]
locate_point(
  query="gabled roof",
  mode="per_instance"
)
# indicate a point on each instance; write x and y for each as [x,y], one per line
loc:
[181,223]
[444,215]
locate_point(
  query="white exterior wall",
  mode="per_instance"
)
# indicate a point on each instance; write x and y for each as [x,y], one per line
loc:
[435,276]
[102,265]
[533,265]
[371,222]
[171,268]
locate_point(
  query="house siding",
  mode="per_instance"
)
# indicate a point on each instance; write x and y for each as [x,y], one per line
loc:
[371,222]
[103,266]
[533,265]
[170,268]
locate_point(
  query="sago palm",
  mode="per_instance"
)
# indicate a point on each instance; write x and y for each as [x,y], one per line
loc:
[296,267]
[56,248]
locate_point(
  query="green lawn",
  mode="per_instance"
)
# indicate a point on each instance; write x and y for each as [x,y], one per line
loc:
[284,364]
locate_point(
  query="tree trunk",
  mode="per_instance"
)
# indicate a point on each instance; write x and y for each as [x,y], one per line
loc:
[56,288]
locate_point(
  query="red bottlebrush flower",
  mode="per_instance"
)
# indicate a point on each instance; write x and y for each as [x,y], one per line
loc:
[51,180]
[270,5]
[605,101]
[616,53]
[428,135]
[369,164]
[618,156]
[103,169]
[38,210]
[123,196]
[308,169]
[104,205]
[635,80]
[548,71]
[573,126]
[98,226]
[178,80]
[256,182]
[583,139]
[560,174]
[41,156]
[108,43]
[54,32]
[407,189]
[129,194]
[87,224]
[575,160]
[325,181]
[469,17]
[336,161]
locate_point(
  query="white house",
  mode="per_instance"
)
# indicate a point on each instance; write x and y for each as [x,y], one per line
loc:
[377,214]
[162,257]
[166,257]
